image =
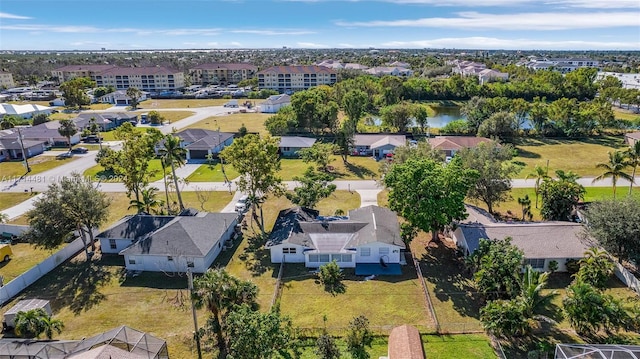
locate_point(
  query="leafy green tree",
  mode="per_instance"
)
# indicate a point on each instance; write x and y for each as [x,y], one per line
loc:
[501,125]
[595,268]
[330,276]
[560,196]
[614,225]
[174,155]
[359,338]
[67,129]
[497,265]
[428,195]
[421,115]
[476,111]
[614,169]
[589,310]
[149,202]
[282,122]
[326,347]
[7,122]
[39,119]
[633,160]
[314,186]
[321,153]
[219,292]
[256,335]
[540,174]
[134,95]
[345,139]
[155,118]
[401,154]
[397,117]
[35,322]
[492,162]
[355,104]
[74,93]
[506,318]
[73,203]
[257,161]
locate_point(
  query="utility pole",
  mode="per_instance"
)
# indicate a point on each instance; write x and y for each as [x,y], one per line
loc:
[193,311]
[24,155]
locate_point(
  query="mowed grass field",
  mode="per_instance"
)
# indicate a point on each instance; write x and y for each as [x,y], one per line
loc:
[254,122]
[579,156]
[170,116]
[38,164]
[153,104]
[10,199]
[357,168]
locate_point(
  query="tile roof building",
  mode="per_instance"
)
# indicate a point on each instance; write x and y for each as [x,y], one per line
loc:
[222,73]
[287,79]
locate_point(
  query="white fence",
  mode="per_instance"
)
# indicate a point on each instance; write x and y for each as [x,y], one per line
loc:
[627,278]
[27,278]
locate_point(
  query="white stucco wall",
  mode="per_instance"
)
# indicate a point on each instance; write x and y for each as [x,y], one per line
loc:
[121,244]
[150,263]
[393,255]
[276,254]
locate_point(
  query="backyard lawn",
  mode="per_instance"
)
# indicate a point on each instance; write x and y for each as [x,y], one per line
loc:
[580,157]
[212,173]
[10,199]
[358,168]
[254,122]
[153,104]
[38,164]
[24,257]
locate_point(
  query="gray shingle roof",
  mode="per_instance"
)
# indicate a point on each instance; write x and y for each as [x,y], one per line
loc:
[536,240]
[203,139]
[371,139]
[135,226]
[191,236]
[296,141]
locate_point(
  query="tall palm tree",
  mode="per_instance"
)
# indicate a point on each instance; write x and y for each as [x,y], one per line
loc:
[614,169]
[540,174]
[174,155]
[633,160]
[533,282]
[218,292]
[148,203]
[67,129]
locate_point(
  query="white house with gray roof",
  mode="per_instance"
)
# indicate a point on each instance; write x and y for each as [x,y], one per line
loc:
[377,145]
[169,243]
[290,145]
[200,143]
[541,242]
[368,239]
[274,103]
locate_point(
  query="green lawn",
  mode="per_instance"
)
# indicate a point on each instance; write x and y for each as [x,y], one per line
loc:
[170,116]
[25,256]
[458,346]
[38,164]
[625,115]
[358,168]
[10,199]
[580,157]
[254,122]
[98,172]
[184,103]
[207,173]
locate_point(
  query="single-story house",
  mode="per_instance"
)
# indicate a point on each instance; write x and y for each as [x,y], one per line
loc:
[368,239]
[48,133]
[169,243]
[377,145]
[452,144]
[541,242]
[10,148]
[106,121]
[57,102]
[489,75]
[273,103]
[290,145]
[120,98]
[405,343]
[200,143]
[24,111]
[632,137]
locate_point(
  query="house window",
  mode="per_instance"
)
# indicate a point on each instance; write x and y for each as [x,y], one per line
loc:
[365,252]
[289,250]
[170,258]
[286,149]
[324,258]
[313,258]
[190,264]
[132,261]
[535,263]
[383,251]
[112,244]
[341,258]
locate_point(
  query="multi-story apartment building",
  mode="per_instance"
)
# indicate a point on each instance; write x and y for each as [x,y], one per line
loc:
[69,72]
[6,80]
[221,73]
[150,79]
[563,65]
[286,79]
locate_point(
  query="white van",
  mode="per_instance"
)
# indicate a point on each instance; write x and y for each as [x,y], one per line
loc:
[243,204]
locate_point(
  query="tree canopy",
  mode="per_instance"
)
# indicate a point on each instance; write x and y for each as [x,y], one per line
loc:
[615,225]
[74,93]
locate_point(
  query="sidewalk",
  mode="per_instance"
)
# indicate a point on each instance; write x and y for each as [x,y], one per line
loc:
[20,208]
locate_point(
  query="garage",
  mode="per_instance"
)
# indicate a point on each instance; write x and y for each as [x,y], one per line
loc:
[198,154]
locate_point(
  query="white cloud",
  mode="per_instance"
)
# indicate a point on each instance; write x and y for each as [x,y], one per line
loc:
[592,4]
[521,21]
[273,32]
[92,29]
[597,4]
[90,43]
[512,44]
[235,44]
[311,45]
[347,46]
[5,15]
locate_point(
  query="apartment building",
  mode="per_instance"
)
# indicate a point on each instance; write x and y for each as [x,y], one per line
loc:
[150,79]
[286,79]
[564,65]
[222,73]
[6,80]
[69,72]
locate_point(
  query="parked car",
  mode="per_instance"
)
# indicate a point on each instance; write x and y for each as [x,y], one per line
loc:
[243,204]
[80,150]
[5,252]
[92,139]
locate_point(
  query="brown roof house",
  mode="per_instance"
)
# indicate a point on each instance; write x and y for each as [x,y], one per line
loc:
[452,144]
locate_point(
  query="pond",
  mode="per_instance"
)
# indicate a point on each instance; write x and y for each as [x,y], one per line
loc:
[442,116]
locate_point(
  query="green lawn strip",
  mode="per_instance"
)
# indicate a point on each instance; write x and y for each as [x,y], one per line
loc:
[25,256]
[10,199]
[38,164]
[357,168]
[98,173]
[621,114]
[154,104]
[212,173]
[254,122]
[211,201]
[579,156]
[458,346]
[387,301]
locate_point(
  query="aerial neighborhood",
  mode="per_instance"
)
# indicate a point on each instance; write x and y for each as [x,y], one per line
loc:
[368,203]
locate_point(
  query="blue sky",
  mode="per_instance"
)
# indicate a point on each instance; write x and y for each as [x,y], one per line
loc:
[209,24]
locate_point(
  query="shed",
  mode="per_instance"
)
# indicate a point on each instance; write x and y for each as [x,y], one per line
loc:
[23,306]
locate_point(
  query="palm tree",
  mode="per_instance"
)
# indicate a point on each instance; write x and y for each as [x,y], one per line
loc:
[34,322]
[95,130]
[148,202]
[540,174]
[219,292]
[633,160]
[533,282]
[7,122]
[164,164]
[174,156]
[67,129]
[614,169]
